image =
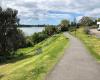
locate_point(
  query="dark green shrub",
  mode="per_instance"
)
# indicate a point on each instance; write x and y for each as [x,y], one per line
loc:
[29,43]
[38,37]
[35,38]
[21,40]
[71,29]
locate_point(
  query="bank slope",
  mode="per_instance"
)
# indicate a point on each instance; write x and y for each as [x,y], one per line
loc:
[39,60]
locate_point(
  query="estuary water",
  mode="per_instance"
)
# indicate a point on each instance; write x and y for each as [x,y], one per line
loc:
[30,30]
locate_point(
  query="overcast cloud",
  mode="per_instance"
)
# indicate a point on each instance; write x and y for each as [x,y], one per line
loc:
[53,9]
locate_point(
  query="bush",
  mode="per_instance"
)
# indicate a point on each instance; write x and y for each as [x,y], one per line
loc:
[87,30]
[64,25]
[63,28]
[38,37]
[42,36]
[50,30]
[71,29]
[21,40]
[29,43]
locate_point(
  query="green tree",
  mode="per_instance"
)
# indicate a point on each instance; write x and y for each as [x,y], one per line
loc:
[86,21]
[38,37]
[10,36]
[50,30]
[98,19]
[64,25]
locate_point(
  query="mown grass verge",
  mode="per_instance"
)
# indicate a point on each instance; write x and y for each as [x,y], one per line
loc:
[91,42]
[39,61]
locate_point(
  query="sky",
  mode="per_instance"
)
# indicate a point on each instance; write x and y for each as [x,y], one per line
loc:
[52,11]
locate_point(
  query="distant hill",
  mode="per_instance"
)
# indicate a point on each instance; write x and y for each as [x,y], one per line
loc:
[22,25]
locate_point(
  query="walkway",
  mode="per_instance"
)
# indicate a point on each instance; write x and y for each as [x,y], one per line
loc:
[76,64]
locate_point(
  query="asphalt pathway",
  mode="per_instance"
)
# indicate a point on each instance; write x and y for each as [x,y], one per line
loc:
[76,64]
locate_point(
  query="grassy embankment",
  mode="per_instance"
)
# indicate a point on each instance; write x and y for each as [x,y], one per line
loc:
[35,65]
[91,42]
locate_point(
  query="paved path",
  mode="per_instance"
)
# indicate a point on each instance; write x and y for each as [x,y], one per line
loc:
[76,64]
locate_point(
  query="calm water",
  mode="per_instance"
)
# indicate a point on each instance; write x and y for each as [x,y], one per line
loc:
[30,30]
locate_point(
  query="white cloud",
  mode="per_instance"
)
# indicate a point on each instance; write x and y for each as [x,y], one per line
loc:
[95,12]
[38,9]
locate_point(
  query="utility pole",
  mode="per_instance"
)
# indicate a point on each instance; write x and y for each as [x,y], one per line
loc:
[75,25]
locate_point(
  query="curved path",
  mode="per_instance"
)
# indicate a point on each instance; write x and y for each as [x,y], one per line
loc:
[76,64]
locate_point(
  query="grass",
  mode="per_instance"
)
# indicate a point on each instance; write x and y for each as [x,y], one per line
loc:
[91,42]
[37,65]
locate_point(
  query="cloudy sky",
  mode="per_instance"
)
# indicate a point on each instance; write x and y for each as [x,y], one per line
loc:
[52,11]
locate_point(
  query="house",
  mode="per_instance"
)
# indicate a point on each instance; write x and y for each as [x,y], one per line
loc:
[98,23]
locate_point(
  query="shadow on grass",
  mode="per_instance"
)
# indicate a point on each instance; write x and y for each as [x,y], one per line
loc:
[21,56]
[1,75]
[15,59]
[18,58]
